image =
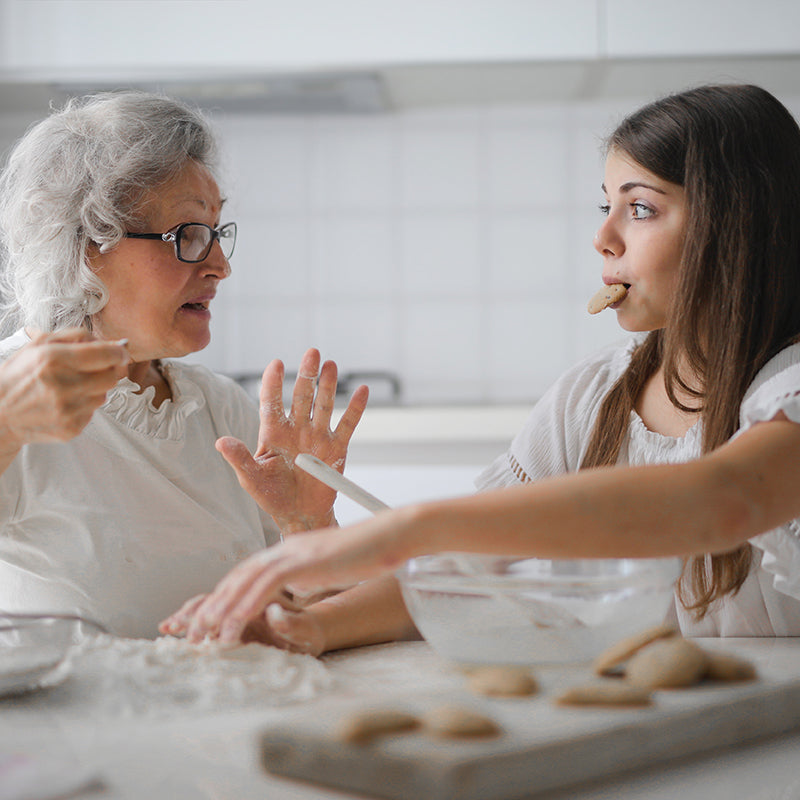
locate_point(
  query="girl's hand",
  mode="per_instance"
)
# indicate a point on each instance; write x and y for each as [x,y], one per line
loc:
[52,386]
[294,499]
[302,565]
[282,625]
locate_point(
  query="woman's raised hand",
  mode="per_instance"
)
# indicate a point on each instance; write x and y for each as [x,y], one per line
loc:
[51,387]
[294,499]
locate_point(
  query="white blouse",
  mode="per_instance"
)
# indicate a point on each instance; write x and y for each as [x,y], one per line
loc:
[135,515]
[555,438]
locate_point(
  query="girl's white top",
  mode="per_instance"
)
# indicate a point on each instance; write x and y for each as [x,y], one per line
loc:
[138,513]
[555,438]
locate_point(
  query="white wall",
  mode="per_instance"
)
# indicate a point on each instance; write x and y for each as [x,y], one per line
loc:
[453,247]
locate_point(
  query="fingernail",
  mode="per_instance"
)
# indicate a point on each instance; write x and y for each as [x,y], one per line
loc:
[277,617]
[122,342]
[230,632]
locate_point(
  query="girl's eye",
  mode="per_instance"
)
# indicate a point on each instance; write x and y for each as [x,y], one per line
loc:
[641,211]
[604,209]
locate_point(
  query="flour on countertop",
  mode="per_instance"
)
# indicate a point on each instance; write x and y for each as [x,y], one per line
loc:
[155,677]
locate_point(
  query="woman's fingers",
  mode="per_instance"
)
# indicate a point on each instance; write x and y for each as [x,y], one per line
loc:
[243,464]
[305,385]
[326,396]
[352,414]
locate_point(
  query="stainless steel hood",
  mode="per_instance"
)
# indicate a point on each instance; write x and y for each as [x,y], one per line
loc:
[377,89]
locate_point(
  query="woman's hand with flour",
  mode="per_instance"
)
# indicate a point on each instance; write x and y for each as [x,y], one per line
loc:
[51,387]
[294,499]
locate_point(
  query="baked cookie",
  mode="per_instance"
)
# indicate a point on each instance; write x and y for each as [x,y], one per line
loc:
[728,668]
[502,681]
[606,297]
[364,726]
[457,722]
[612,693]
[667,664]
[615,656]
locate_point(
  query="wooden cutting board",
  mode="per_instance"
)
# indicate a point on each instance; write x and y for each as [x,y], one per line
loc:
[542,747]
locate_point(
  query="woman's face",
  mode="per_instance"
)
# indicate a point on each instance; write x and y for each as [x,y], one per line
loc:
[641,241]
[160,304]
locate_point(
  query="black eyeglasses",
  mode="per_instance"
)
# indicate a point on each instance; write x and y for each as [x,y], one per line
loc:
[193,240]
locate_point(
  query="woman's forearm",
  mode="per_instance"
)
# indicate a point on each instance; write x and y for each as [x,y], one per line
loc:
[370,613]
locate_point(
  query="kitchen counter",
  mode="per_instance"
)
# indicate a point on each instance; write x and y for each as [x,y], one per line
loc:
[215,754]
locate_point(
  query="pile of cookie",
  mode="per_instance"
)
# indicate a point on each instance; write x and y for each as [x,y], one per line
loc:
[629,672]
[657,658]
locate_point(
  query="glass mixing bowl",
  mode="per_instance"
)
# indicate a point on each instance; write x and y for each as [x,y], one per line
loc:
[500,610]
[34,648]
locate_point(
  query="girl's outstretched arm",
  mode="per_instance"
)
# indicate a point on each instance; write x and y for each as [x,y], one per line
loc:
[712,504]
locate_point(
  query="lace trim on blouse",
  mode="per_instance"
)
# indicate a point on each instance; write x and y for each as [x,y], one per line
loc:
[135,409]
[517,470]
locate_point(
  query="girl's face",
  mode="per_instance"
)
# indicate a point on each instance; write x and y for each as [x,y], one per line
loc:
[161,304]
[641,241]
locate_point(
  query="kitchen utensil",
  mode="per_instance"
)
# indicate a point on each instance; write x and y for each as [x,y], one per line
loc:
[335,480]
[34,648]
[498,609]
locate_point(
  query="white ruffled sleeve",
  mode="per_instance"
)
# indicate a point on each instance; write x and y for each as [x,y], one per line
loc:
[775,389]
[554,438]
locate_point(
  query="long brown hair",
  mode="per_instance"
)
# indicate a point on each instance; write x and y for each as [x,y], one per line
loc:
[736,152]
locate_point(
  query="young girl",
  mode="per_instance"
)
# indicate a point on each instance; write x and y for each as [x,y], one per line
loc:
[685,441]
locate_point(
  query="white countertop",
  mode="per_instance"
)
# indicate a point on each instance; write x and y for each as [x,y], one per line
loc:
[214,755]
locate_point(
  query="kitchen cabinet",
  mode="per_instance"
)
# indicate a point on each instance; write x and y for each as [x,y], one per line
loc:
[313,56]
[684,28]
[145,37]
[83,40]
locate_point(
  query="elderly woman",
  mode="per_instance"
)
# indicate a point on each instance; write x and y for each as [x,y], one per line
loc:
[114,503]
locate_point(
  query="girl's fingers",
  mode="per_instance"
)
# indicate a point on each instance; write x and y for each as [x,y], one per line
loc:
[220,604]
[177,623]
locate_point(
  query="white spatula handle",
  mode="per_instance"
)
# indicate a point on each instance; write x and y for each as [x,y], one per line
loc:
[330,477]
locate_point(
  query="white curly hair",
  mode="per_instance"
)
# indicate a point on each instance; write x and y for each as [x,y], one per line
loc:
[78,177]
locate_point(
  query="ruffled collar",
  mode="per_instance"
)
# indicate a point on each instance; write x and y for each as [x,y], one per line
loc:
[134,409]
[648,446]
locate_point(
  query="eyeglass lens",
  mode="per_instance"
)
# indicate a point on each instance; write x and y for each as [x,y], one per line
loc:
[195,240]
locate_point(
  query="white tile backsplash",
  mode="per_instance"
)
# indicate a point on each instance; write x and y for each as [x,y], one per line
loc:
[352,256]
[441,255]
[452,247]
[527,255]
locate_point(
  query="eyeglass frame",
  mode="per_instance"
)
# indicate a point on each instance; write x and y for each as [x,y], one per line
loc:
[174,236]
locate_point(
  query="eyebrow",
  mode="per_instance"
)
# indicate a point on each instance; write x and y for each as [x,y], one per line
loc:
[198,201]
[626,187]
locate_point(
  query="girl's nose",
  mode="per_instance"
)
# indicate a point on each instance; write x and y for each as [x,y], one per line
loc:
[607,240]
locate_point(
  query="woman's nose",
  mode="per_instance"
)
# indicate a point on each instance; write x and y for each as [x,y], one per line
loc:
[215,264]
[607,240]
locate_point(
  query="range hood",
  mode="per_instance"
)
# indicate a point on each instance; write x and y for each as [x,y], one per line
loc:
[379,89]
